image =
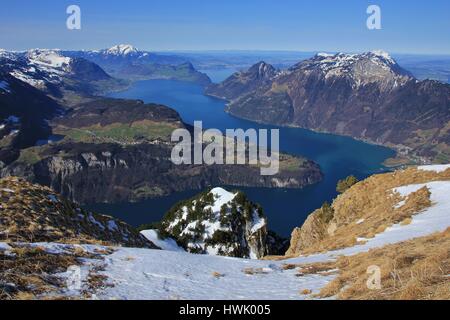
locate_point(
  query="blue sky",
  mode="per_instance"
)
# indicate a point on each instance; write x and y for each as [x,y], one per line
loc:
[305,25]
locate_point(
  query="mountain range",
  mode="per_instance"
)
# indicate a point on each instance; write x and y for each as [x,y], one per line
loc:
[366,96]
[127,62]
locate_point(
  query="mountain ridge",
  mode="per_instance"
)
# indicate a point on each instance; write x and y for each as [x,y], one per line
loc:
[366,96]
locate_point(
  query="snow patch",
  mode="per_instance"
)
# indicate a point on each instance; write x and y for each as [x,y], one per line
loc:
[50,58]
[168,244]
[438,168]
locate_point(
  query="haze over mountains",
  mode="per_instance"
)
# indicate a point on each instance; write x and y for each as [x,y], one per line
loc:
[367,96]
[127,62]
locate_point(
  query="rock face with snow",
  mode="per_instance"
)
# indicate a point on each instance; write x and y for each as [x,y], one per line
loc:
[367,96]
[32,213]
[374,208]
[24,111]
[57,74]
[218,222]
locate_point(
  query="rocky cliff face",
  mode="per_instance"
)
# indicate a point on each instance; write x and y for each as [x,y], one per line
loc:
[219,222]
[242,83]
[367,96]
[367,209]
[32,213]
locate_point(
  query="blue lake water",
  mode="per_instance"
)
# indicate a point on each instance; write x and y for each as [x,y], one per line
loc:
[285,208]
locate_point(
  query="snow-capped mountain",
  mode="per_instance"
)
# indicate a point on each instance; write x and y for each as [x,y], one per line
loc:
[123,50]
[361,69]
[218,222]
[53,72]
[367,96]
[24,111]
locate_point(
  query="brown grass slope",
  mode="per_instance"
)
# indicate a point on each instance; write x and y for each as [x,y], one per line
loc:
[363,211]
[33,213]
[412,270]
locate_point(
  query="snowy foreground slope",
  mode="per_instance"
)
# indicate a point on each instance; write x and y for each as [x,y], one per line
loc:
[153,274]
[132,273]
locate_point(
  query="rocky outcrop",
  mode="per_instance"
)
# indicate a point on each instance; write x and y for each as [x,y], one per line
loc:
[367,96]
[33,213]
[219,222]
[313,230]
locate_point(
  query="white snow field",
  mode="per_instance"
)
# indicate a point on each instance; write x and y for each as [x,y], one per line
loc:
[166,244]
[167,275]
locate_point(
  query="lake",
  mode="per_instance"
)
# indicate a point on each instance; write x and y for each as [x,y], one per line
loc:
[286,209]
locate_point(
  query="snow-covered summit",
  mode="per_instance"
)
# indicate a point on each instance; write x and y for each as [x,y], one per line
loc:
[383,54]
[122,50]
[345,61]
[48,58]
[361,68]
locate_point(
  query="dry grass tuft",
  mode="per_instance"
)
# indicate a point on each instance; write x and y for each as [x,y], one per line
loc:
[34,213]
[305,292]
[413,270]
[30,271]
[217,275]
[254,271]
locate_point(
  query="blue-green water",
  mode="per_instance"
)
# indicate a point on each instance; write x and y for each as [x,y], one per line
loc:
[286,208]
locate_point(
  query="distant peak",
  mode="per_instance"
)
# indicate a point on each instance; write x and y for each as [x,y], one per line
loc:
[263,69]
[324,54]
[50,57]
[122,49]
[383,54]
